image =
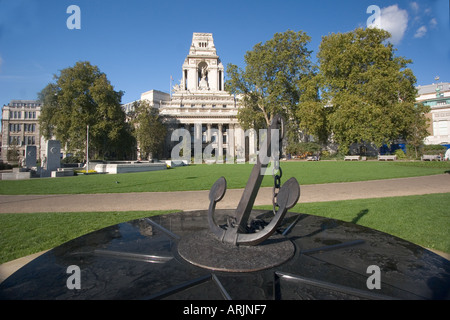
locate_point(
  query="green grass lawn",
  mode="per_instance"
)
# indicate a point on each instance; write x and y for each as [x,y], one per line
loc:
[202,177]
[423,220]
[28,233]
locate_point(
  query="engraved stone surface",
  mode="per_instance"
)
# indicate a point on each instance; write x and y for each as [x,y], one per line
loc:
[30,157]
[53,155]
[204,250]
[140,259]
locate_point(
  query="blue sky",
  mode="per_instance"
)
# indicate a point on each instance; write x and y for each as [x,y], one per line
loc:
[141,44]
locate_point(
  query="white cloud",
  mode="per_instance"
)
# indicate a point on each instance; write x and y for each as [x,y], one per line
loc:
[395,21]
[433,23]
[414,6]
[421,32]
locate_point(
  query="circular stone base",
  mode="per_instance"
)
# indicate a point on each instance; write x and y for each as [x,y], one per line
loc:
[203,249]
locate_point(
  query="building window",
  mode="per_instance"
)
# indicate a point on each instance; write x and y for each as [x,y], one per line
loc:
[31,140]
[14,140]
[224,106]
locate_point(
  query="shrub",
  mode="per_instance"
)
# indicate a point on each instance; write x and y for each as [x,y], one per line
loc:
[5,166]
[433,149]
[84,171]
[400,154]
[70,159]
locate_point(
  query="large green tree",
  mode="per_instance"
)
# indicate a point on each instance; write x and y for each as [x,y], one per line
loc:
[270,82]
[149,129]
[367,93]
[81,96]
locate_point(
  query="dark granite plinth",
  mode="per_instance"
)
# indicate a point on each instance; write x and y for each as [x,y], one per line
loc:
[141,259]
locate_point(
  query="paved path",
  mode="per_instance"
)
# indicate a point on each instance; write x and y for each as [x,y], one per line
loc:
[198,200]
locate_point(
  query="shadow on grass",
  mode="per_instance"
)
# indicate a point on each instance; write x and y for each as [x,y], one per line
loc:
[360,214]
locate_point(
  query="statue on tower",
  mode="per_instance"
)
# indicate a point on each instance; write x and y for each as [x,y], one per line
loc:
[203,85]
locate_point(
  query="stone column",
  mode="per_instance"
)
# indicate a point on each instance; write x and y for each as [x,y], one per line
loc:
[231,144]
[220,141]
[208,133]
[198,154]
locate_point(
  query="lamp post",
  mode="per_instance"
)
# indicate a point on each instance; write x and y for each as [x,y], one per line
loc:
[87,149]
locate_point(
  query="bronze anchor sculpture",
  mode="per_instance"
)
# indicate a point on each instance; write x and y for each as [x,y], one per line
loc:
[237,230]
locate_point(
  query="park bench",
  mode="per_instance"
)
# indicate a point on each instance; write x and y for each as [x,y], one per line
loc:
[429,157]
[387,157]
[351,158]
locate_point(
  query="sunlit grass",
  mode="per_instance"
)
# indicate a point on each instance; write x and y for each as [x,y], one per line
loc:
[422,219]
[27,233]
[202,177]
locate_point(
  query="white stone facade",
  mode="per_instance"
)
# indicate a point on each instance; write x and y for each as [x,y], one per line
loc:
[200,104]
[20,127]
[437,97]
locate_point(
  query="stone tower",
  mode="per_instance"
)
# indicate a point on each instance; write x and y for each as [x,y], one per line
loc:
[202,69]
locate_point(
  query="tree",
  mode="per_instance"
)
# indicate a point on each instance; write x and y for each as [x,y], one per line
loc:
[269,84]
[369,93]
[82,95]
[311,111]
[149,131]
[417,131]
[13,151]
